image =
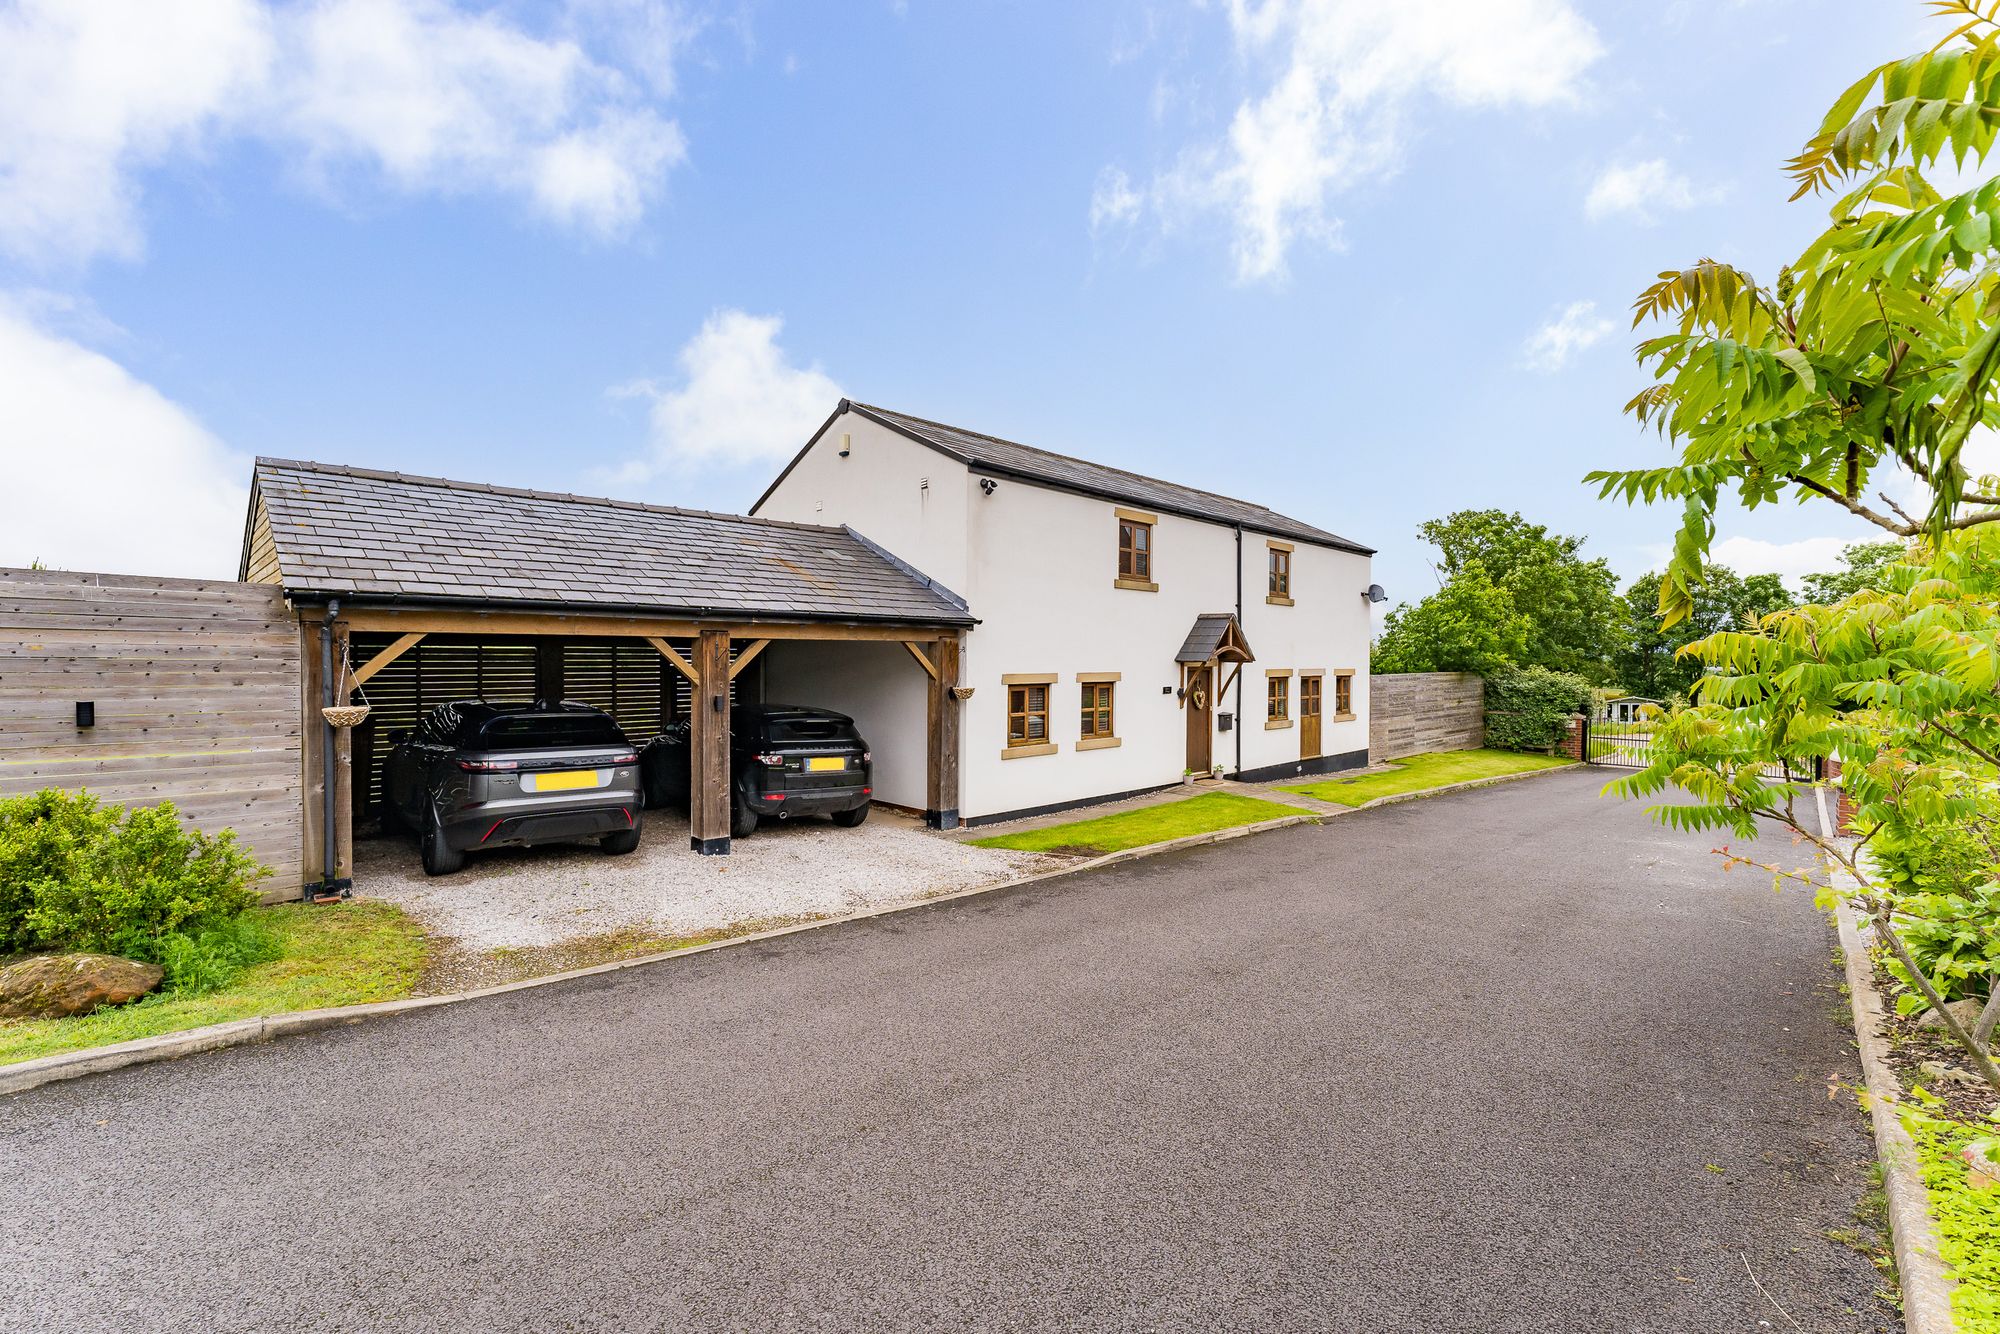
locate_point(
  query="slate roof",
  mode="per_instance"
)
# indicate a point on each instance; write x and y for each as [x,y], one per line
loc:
[991,454]
[373,536]
[1206,636]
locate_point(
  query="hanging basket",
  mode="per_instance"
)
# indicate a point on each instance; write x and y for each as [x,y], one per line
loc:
[346,715]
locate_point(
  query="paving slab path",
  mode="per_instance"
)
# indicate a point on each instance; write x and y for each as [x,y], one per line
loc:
[1506,1059]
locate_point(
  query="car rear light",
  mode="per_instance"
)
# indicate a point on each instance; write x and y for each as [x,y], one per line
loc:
[624,759]
[867,791]
[774,796]
[489,833]
[770,760]
[488,766]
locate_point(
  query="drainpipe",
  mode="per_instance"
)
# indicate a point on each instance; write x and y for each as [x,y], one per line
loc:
[329,852]
[1239,666]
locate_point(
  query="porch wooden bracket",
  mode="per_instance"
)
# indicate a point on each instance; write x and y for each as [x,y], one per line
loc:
[745,658]
[681,664]
[922,660]
[1230,682]
[384,658]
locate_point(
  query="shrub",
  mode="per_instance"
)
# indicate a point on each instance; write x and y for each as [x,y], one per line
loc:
[1941,875]
[1528,708]
[78,875]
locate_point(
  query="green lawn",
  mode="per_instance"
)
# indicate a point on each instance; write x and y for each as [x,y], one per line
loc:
[1153,824]
[1420,772]
[336,954]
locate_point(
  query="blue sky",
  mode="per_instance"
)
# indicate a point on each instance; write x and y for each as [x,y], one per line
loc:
[1365,263]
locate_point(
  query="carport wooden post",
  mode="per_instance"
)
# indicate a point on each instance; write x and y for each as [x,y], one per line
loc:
[941,757]
[708,785]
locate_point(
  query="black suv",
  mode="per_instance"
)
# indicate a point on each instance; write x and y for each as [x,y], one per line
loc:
[784,760]
[481,775]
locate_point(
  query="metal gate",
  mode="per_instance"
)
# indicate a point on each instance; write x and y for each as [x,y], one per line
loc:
[1630,746]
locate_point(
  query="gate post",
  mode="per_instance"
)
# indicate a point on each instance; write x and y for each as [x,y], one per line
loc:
[1575,743]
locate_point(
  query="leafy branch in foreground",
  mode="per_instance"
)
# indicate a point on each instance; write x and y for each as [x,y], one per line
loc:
[1876,349]
[1901,682]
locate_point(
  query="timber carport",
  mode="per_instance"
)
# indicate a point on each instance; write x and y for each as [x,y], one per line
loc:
[411,591]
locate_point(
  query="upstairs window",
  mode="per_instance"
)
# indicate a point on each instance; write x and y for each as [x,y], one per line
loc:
[1135,550]
[1279,587]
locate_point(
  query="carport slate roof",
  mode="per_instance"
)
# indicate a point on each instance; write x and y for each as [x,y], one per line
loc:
[371,536]
[1025,461]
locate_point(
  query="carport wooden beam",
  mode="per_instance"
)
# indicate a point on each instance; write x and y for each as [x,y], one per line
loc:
[672,655]
[385,657]
[942,712]
[746,657]
[708,716]
[405,620]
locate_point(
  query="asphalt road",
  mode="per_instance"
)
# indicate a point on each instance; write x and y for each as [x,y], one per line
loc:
[1512,1059]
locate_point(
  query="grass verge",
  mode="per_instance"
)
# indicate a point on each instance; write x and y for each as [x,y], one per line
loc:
[1967,1218]
[1419,772]
[335,954]
[1135,829]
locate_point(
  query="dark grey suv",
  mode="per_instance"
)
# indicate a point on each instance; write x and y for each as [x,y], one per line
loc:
[477,775]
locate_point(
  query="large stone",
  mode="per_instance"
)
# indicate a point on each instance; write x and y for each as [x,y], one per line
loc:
[52,986]
[1965,1011]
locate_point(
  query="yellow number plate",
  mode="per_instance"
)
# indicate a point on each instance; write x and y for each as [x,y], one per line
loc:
[565,781]
[831,764]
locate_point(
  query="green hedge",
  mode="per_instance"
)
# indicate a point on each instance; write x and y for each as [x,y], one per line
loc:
[1528,708]
[79,875]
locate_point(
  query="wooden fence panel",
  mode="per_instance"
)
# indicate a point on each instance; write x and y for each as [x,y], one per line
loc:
[196,687]
[1410,713]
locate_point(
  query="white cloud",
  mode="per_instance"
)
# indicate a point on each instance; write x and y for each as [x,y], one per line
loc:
[92,93]
[739,400]
[104,473]
[1579,326]
[1793,560]
[1642,191]
[416,93]
[1343,77]
[1114,202]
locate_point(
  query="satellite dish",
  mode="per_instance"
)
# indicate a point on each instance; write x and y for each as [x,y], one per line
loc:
[1375,593]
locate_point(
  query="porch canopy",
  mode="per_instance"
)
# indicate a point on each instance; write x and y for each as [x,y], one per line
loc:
[378,563]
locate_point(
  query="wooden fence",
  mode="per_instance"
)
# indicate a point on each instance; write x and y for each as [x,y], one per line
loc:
[195,687]
[1413,712]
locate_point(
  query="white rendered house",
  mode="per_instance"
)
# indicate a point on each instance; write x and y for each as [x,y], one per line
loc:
[1129,630]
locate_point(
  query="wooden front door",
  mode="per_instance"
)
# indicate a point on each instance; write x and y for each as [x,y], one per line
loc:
[1200,703]
[1309,707]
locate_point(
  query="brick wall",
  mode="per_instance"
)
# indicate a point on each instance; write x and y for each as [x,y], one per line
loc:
[1571,745]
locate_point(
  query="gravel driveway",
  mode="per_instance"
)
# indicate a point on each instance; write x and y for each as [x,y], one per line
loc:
[523,897]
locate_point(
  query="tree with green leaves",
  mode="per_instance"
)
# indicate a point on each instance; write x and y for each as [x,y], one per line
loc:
[1873,354]
[1876,348]
[1862,565]
[1649,662]
[1574,619]
[1469,625]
